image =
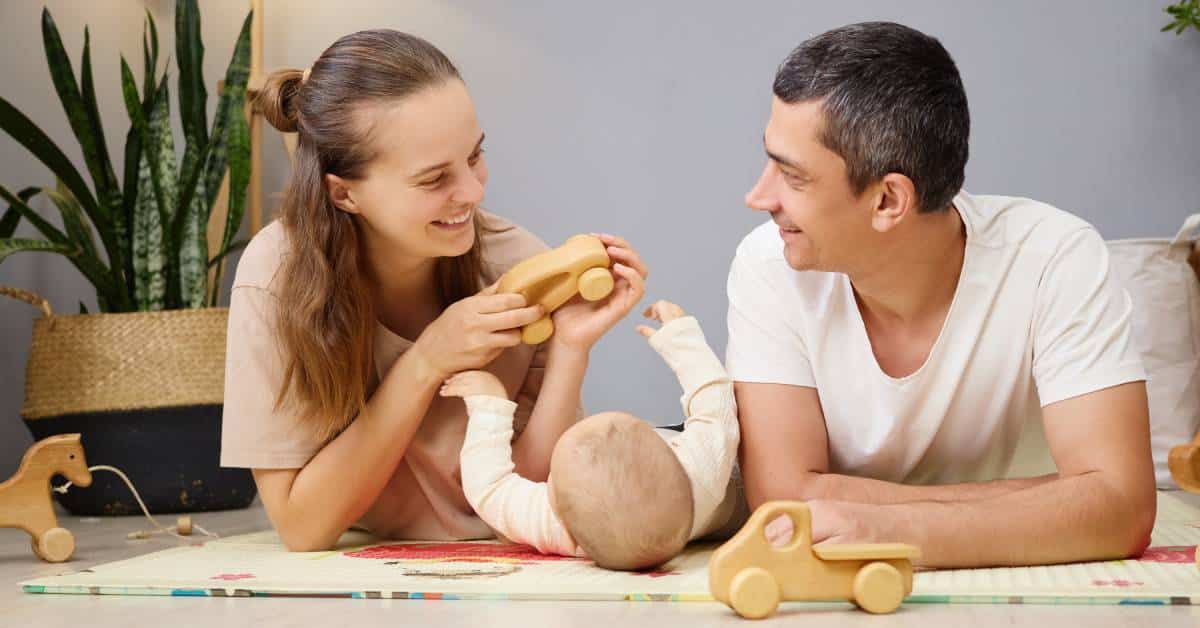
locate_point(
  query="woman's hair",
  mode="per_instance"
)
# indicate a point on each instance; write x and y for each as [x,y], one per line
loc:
[326,314]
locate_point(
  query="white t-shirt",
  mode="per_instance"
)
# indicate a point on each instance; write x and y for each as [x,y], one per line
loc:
[1036,318]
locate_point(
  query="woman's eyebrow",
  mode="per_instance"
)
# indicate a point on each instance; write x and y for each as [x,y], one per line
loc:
[443,164]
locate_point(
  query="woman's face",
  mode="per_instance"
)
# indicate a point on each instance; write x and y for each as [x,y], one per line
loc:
[419,195]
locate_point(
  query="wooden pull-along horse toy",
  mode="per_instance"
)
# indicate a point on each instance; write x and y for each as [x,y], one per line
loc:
[552,278]
[25,497]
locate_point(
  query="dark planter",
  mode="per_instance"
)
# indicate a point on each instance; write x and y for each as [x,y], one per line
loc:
[170,455]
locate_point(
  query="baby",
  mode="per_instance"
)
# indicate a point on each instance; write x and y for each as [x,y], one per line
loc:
[620,492]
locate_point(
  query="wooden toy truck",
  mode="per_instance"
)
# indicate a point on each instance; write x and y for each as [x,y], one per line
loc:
[752,576]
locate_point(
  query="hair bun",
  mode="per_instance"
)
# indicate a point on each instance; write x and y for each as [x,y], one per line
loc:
[277,100]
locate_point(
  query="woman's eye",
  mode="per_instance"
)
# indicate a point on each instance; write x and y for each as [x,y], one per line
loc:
[434,181]
[474,159]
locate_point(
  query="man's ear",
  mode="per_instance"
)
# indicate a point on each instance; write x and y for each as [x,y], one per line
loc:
[340,194]
[896,200]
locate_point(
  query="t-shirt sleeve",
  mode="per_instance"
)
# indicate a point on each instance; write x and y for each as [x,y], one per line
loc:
[764,347]
[254,434]
[1082,337]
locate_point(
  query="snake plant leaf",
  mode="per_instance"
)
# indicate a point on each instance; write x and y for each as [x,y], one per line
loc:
[190,236]
[149,280]
[116,242]
[149,54]
[158,149]
[73,220]
[189,52]
[233,247]
[19,127]
[20,203]
[8,246]
[231,104]
[12,216]
[86,258]
[87,131]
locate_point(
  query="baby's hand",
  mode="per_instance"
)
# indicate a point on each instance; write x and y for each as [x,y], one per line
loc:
[469,383]
[663,312]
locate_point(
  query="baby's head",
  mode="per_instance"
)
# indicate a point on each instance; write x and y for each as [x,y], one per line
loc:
[620,491]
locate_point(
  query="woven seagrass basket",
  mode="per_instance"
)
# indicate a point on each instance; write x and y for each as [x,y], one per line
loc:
[145,390]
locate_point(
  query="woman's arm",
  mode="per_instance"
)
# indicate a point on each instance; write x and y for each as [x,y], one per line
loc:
[311,507]
[557,408]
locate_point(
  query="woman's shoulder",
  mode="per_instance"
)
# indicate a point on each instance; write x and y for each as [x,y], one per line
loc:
[262,257]
[505,244]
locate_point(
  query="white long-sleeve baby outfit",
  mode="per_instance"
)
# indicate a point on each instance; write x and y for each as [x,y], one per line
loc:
[519,509]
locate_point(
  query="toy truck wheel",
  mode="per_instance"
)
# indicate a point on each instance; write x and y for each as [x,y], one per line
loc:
[537,332]
[55,545]
[595,284]
[878,588]
[754,594]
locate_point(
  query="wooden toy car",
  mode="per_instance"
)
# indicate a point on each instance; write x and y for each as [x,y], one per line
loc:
[552,278]
[1184,463]
[25,497]
[752,576]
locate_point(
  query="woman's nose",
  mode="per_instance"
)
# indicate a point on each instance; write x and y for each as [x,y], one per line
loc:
[760,197]
[470,191]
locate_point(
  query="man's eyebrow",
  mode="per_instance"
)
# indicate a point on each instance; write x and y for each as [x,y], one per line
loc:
[446,163]
[780,159]
[784,161]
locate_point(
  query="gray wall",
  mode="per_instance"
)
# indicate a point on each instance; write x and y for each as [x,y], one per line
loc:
[645,119]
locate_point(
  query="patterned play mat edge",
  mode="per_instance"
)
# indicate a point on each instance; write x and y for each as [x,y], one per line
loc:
[255,565]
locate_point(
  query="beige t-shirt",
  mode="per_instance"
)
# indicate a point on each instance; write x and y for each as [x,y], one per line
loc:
[424,499]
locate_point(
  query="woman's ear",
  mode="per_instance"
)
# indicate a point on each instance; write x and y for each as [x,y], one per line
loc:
[340,194]
[897,199]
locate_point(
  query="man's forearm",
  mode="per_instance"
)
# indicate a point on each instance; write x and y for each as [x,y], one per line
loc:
[1073,519]
[555,410]
[847,488]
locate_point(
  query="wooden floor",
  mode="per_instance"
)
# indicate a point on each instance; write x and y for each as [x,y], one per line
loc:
[103,540]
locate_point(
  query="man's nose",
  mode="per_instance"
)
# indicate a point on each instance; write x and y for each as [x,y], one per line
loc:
[760,197]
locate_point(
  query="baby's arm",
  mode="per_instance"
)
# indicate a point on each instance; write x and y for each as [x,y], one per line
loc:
[708,445]
[515,507]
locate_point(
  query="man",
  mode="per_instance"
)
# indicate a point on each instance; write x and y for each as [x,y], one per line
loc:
[889,334]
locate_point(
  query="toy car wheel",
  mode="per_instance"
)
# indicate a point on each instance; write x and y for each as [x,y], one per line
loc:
[595,284]
[878,588]
[538,331]
[55,545]
[754,594]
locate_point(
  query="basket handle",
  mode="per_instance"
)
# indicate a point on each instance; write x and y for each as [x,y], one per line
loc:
[28,297]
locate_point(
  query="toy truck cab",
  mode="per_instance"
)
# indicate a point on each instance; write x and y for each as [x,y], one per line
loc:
[551,278]
[752,576]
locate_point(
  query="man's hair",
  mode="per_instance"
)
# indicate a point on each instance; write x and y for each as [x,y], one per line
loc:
[892,100]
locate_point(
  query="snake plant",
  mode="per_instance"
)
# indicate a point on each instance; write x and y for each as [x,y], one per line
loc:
[151,224]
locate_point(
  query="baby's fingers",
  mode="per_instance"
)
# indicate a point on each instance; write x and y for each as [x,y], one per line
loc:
[645,331]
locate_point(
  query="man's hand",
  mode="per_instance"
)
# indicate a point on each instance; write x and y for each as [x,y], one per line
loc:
[836,523]
[470,383]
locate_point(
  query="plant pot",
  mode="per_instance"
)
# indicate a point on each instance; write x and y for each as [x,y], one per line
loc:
[145,391]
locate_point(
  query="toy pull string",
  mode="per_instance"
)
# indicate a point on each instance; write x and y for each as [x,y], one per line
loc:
[183,525]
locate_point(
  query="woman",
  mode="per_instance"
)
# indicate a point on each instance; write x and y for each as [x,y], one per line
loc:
[349,312]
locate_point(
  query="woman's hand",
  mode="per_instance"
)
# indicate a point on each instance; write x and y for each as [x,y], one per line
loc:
[474,331]
[663,312]
[578,324]
[470,383]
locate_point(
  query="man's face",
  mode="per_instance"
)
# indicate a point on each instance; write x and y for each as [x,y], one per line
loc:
[805,189]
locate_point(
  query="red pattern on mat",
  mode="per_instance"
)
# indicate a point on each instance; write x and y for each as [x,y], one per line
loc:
[459,553]
[1169,554]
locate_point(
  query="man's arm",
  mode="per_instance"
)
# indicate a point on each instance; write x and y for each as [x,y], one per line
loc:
[1101,505]
[785,455]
